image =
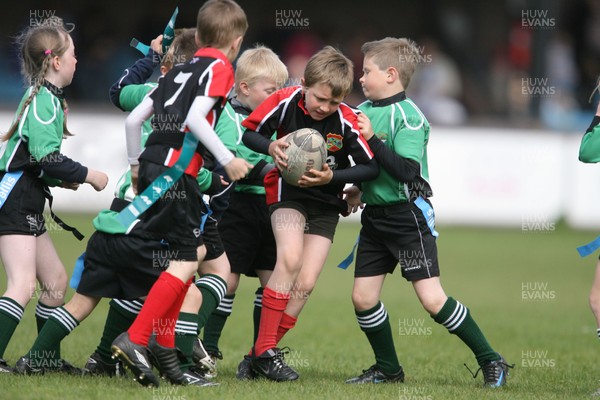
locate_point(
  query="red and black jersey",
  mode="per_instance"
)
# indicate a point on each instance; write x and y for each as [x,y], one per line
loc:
[284,112]
[209,73]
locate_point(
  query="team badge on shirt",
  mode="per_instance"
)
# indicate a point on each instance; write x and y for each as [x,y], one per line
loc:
[334,142]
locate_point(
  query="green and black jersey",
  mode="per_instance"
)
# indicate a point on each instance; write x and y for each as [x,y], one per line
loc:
[35,145]
[589,151]
[230,130]
[401,130]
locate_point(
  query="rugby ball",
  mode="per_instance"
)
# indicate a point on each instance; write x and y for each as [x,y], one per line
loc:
[306,151]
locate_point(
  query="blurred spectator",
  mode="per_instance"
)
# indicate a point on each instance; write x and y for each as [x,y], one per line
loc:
[519,62]
[297,50]
[560,110]
[437,86]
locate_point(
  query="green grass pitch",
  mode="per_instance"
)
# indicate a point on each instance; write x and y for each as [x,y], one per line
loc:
[527,291]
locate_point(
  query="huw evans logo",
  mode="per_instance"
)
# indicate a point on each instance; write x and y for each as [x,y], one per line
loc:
[47,17]
[290,19]
[537,87]
[537,291]
[532,19]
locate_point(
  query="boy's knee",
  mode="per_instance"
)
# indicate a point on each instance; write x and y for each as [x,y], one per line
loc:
[232,283]
[433,305]
[303,289]
[363,301]
[291,262]
[60,280]
[306,285]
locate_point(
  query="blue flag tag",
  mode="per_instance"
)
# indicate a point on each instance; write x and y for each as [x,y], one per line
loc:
[589,248]
[205,216]
[143,48]
[77,271]
[428,213]
[7,184]
[350,259]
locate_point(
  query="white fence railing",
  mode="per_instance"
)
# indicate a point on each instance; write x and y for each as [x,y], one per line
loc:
[480,176]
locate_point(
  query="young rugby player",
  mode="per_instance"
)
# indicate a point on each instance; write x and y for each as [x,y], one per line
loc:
[30,161]
[398,220]
[127,93]
[304,218]
[191,96]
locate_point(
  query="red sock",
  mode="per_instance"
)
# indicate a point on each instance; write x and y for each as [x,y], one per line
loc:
[273,306]
[287,322]
[165,335]
[165,291]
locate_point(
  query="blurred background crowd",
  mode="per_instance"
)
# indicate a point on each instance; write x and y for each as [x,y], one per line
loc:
[525,63]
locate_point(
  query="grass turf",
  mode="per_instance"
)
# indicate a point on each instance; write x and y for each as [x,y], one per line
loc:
[526,289]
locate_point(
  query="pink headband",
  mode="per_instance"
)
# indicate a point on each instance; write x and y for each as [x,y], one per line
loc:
[48,52]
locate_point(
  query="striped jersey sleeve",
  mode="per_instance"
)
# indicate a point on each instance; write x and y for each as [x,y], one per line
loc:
[267,118]
[353,140]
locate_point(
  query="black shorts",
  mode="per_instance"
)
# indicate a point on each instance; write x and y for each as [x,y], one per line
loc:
[392,235]
[122,266]
[23,211]
[212,240]
[176,216]
[321,219]
[247,234]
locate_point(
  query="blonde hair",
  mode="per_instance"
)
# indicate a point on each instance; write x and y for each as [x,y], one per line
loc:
[260,63]
[399,53]
[182,49]
[220,22]
[331,67]
[37,47]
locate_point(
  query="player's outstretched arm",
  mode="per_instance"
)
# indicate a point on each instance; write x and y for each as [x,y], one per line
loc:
[97,179]
[133,129]
[236,168]
[138,73]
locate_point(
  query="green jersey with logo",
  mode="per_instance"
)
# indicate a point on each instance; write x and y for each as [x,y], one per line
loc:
[403,128]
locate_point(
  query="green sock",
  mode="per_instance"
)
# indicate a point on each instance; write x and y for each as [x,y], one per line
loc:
[42,313]
[375,323]
[457,319]
[257,312]
[121,314]
[186,332]
[216,322]
[10,316]
[213,289]
[43,352]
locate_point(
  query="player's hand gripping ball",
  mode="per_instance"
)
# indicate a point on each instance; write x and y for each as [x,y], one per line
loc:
[306,151]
